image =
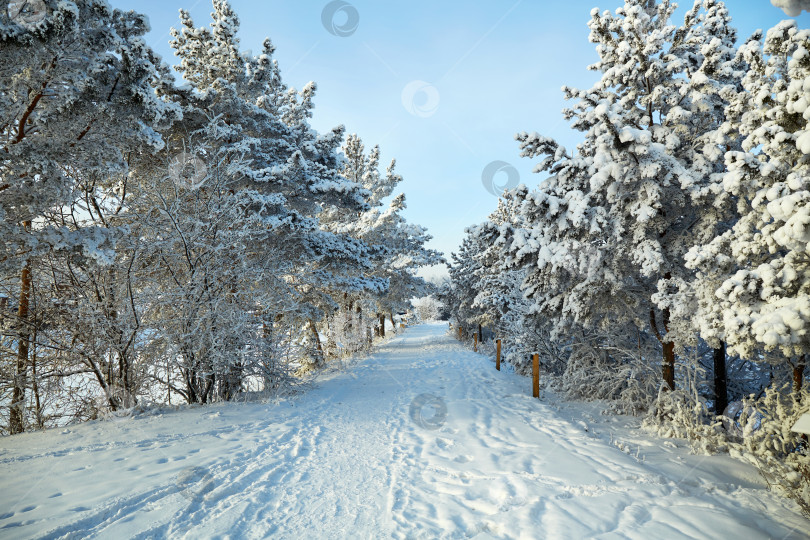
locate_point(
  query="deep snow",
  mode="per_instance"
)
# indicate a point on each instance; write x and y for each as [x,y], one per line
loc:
[354,458]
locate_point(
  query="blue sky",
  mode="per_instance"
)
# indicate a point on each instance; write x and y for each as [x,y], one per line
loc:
[493,69]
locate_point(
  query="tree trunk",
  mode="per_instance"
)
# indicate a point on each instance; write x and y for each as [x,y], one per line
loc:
[359,331]
[669,364]
[16,423]
[34,383]
[102,379]
[480,334]
[720,386]
[393,323]
[798,378]
[168,382]
[668,359]
[319,360]
[209,386]
[331,346]
[382,324]
[349,333]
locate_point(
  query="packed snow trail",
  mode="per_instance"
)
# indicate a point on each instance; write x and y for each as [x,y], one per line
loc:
[353,458]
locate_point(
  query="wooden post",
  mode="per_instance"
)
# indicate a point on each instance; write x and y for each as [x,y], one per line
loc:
[536,375]
[498,354]
[475,343]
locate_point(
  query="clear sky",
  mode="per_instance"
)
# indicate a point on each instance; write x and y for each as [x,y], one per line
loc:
[442,86]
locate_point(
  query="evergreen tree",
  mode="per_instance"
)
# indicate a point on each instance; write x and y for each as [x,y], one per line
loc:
[78,96]
[613,222]
[757,269]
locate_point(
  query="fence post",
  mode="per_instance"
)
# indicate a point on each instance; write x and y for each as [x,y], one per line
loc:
[536,375]
[498,354]
[475,343]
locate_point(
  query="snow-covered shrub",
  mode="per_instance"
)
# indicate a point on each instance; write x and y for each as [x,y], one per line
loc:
[774,415]
[790,477]
[684,415]
[780,455]
[603,367]
[522,336]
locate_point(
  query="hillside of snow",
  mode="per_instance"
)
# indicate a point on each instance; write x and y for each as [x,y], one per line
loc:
[422,439]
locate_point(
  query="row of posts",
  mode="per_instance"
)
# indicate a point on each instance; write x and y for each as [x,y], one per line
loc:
[535,358]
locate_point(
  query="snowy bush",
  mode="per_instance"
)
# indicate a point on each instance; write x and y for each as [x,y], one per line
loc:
[427,308]
[602,367]
[684,415]
[767,441]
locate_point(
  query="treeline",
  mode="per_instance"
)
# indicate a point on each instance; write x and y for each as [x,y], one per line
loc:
[663,264]
[177,243]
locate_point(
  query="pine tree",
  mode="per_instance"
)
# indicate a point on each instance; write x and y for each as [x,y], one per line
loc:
[610,227]
[757,269]
[78,95]
[288,174]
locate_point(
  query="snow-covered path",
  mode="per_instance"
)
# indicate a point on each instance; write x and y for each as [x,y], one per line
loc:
[354,459]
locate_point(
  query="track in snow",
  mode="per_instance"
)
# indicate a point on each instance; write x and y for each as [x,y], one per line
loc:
[347,459]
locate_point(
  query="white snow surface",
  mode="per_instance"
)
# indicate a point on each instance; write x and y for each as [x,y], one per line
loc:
[347,460]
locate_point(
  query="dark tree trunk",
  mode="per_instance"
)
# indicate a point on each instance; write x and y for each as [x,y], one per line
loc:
[359,327]
[668,370]
[668,359]
[210,380]
[382,324]
[34,382]
[16,422]
[798,378]
[480,334]
[191,389]
[720,386]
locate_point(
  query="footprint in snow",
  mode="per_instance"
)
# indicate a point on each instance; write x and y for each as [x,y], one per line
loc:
[444,444]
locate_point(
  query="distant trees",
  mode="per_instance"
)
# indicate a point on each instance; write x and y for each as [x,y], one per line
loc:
[427,308]
[398,248]
[165,242]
